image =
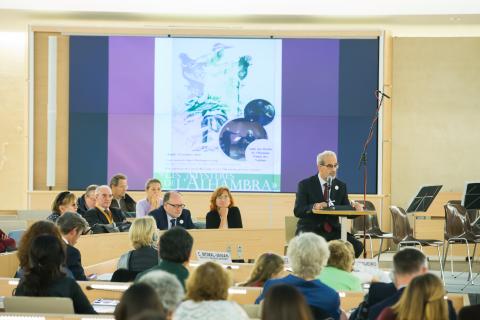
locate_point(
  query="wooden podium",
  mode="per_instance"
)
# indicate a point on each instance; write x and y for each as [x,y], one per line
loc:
[343,215]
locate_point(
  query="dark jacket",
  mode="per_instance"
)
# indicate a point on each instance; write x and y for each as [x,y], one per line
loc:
[177,269]
[74,263]
[67,288]
[310,192]
[81,205]
[234,219]
[160,216]
[130,204]
[139,260]
[95,216]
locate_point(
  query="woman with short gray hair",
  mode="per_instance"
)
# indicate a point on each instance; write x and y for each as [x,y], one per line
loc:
[308,254]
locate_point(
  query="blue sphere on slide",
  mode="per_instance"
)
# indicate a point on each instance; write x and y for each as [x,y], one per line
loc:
[260,111]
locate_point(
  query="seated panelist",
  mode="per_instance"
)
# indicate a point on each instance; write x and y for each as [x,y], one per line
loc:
[172,213]
[102,214]
[223,214]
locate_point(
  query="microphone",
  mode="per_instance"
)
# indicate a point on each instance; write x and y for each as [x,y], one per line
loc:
[378,92]
[329,181]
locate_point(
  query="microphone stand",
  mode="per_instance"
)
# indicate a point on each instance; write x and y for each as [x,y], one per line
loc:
[363,163]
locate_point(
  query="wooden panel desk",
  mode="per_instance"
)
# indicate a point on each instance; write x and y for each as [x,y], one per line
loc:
[8,264]
[242,243]
[343,215]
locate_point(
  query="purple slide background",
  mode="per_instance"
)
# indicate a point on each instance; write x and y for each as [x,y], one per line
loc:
[131,108]
[310,105]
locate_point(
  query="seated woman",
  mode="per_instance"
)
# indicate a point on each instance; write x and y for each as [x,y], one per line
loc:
[63,202]
[284,302]
[308,254]
[25,243]
[45,278]
[138,298]
[153,188]
[6,243]
[268,266]
[223,214]
[143,236]
[207,293]
[424,298]
[338,272]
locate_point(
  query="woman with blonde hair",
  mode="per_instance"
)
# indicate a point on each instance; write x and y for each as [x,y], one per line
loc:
[338,272]
[268,266]
[143,236]
[64,202]
[207,293]
[424,298]
[223,214]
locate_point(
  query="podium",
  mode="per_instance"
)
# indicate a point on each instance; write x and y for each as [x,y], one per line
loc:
[343,215]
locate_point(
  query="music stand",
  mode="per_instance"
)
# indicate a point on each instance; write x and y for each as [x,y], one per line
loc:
[424,198]
[471,196]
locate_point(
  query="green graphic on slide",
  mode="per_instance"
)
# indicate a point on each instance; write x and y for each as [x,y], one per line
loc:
[210,181]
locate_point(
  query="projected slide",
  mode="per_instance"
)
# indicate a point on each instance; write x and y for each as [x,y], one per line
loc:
[217,118]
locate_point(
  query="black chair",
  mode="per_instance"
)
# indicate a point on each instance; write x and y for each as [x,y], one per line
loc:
[320,314]
[124,275]
[403,234]
[372,228]
[458,229]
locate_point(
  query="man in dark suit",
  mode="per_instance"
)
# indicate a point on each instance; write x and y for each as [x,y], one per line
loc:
[172,213]
[407,264]
[72,226]
[317,193]
[102,214]
[121,200]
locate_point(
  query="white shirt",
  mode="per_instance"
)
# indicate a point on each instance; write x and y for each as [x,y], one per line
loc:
[211,310]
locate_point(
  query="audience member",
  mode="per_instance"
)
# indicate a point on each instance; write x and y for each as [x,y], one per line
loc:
[338,272]
[174,249]
[153,201]
[137,298]
[172,213]
[150,315]
[36,229]
[121,199]
[469,312]
[307,254]
[285,302]
[102,214]
[424,298]
[168,288]
[87,200]
[44,277]
[207,293]
[407,264]
[143,236]
[268,266]
[72,226]
[63,202]
[223,214]
[6,243]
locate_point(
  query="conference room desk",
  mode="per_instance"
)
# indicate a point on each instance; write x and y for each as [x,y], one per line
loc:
[241,243]
[241,295]
[55,316]
[8,264]
[238,271]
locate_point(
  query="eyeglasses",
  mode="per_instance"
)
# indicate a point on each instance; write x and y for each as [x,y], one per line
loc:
[331,166]
[88,231]
[177,206]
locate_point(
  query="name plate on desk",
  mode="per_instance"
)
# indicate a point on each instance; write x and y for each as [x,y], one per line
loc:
[220,257]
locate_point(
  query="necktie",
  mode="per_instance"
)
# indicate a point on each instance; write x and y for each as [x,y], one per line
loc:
[325,192]
[326,226]
[172,223]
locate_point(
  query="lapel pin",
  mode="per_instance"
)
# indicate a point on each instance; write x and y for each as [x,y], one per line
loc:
[336,187]
[181,221]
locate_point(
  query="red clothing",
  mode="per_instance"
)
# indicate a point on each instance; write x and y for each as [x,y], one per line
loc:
[6,243]
[387,314]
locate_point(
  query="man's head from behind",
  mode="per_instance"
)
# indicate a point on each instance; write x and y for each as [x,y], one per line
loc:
[407,264]
[175,245]
[167,286]
[72,226]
